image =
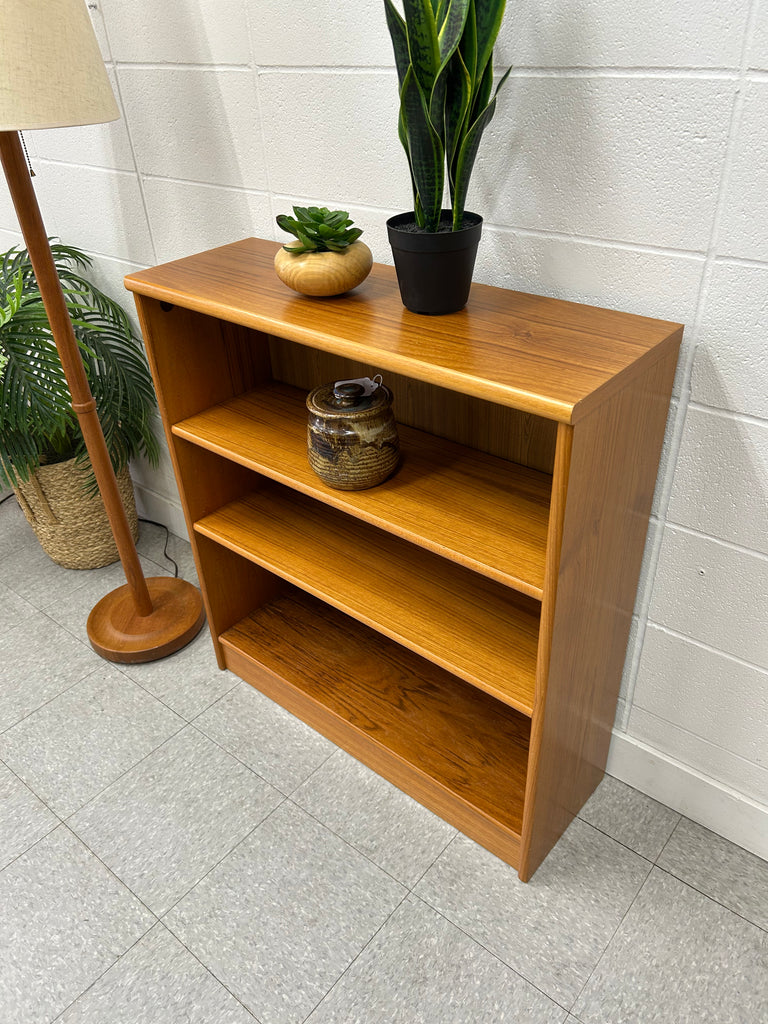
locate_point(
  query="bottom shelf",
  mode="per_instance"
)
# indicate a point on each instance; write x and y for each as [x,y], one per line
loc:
[456,750]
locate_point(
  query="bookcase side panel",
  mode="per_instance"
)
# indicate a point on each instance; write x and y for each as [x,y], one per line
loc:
[198,360]
[613,468]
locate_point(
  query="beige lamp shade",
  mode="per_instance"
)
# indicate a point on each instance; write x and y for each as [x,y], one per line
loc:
[51,70]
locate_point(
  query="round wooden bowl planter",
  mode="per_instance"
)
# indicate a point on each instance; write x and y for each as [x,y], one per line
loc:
[324,273]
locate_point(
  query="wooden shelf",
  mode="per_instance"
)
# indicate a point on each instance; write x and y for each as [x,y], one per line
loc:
[469,625]
[544,356]
[461,628]
[403,714]
[485,513]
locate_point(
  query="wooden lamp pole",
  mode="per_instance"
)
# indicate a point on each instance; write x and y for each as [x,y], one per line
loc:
[145,619]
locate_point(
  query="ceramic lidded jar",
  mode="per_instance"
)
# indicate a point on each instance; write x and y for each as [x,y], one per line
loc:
[352,437]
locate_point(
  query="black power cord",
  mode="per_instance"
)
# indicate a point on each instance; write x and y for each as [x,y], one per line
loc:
[162,526]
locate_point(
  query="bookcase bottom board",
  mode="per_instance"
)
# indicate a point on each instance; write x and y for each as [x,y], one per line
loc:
[455,749]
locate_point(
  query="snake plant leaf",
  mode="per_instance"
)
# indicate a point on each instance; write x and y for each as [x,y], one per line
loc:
[426,150]
[468,45]
[423,47]
[449,37]
[455,114]
[466,157]
[488,18]
[482,96]
[443,53]
[451,29]
[399,36]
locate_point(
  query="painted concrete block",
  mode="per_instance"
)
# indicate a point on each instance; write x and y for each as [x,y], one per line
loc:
[109,275]
[335,134]
[186,218]
[96,13]
[710,760]
[182,32]
[655,284]
[97,145]
[730,370]
[672,431]
[95,209]
[8,219]
[196,124]
[713,593]
[721,478]
[623,159]
[744,229]
[758,53]
[321,33]
[707,693]
[9,239]
[588,33]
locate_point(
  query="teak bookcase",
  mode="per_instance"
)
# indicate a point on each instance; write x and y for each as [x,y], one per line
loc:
[462,627]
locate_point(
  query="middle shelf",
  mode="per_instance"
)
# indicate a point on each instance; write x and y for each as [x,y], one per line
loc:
[479,630]
[482,511]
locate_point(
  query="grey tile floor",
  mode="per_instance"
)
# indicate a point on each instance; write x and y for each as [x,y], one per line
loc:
[175,848]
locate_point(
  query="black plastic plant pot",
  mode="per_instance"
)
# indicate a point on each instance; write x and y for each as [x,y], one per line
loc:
[434,268]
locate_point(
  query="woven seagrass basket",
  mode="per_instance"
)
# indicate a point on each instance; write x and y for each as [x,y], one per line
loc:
[71,525]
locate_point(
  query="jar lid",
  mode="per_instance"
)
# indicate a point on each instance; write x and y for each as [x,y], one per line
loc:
[350,397]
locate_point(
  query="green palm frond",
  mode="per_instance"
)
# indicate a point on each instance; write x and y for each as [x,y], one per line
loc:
[36,417]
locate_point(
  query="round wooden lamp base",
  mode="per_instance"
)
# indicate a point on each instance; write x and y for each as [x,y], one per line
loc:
[117,633]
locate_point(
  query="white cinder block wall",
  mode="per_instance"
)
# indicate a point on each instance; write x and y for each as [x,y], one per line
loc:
[626,167]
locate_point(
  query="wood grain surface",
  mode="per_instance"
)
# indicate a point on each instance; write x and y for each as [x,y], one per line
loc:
[484,633]
[483,512]
[462,627]
[415,724]
[544,356]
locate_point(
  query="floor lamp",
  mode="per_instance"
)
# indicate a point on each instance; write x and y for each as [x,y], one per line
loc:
[52,76]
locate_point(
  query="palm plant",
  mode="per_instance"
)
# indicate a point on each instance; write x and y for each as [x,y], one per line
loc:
[444,58]
[37,422]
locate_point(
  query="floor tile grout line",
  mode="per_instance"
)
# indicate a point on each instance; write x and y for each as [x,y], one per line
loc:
[348,843]
[111,871]
[66,819]
[669,840]
[187,721]
[631,849]
[106,970]
[614,933]
[34,843]
[213,867]
[50,700]
[316,769]
[230,753]
[434,861]
[357,955]
[454,924]
[711,898]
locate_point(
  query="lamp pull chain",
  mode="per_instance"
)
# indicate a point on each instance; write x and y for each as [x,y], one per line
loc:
[26,154]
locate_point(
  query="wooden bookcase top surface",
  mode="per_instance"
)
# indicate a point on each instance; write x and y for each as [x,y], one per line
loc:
[544,356]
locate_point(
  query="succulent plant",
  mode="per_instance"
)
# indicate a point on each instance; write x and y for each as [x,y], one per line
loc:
[319,229]
[443,52]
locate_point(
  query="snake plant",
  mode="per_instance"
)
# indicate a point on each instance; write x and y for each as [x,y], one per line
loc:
[444,58]
[37,422]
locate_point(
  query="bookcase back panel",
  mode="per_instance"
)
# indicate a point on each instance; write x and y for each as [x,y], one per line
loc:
[508,433]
